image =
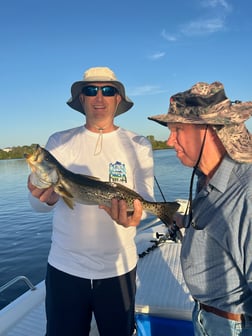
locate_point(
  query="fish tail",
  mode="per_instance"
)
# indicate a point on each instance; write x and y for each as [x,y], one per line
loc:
[166,211]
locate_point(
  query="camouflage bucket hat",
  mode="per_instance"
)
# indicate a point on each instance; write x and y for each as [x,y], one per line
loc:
[94,75]
[207,104]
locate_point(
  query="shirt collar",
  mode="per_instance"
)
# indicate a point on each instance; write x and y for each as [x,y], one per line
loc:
[222,174]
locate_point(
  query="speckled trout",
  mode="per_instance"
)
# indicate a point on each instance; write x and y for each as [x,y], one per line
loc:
[84,189]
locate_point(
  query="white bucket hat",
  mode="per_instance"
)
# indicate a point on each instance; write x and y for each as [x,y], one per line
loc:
[99,74]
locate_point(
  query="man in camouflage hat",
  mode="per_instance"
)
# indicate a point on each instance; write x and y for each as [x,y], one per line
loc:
[208,133]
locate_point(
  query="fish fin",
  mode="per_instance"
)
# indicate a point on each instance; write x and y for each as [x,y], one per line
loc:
[69,202]
[125,189]
[89,177]
[168,211]
[66,195]
[63,192]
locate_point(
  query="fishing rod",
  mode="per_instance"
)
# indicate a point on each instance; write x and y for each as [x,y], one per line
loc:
[173,233]
[160,190]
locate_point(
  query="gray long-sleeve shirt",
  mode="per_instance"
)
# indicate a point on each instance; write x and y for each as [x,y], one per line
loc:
[217,258]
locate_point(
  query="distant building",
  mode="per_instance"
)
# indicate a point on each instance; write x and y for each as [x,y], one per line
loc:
[7,149]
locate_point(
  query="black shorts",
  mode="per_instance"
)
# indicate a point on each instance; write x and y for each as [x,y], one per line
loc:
[70,302]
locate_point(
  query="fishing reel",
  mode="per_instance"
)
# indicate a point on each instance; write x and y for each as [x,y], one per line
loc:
[173,233]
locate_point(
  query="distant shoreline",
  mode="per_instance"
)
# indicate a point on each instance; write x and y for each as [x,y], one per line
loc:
[18,152]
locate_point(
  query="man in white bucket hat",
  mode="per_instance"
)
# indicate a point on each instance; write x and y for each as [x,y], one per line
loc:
[92,260]
[94,75]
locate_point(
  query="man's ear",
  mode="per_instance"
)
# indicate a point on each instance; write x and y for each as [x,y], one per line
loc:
[119,99]
[82,98]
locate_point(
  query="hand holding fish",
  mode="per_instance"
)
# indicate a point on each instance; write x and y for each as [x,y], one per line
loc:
[118,212]
[50,175]
[179,219]
[47,195]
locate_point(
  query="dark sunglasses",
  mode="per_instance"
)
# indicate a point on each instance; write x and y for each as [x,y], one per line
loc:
[107,91]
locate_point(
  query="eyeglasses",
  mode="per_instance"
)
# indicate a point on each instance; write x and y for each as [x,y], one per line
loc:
[107,91]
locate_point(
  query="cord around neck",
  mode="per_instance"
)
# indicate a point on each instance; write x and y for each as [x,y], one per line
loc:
[189,205]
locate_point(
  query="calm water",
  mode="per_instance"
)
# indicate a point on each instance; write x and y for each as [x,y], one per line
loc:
[25,234]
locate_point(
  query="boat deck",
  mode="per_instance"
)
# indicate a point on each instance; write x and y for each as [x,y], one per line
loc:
[161,291]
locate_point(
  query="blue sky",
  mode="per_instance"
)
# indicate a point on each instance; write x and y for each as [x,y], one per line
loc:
[156,48]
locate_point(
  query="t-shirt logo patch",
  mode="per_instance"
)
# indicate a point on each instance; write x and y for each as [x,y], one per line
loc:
[117,172]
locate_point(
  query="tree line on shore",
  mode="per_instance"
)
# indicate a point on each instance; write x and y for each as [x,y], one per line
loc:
[19,151]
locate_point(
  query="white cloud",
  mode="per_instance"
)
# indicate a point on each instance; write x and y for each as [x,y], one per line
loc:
[167,36]
[203,27]
[146,90]
[216,3]
[157,55]
[214,13]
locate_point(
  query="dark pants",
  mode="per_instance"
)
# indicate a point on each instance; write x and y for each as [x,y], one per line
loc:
[70,301]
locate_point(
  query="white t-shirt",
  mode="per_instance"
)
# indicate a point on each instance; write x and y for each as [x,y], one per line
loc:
[86,242]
